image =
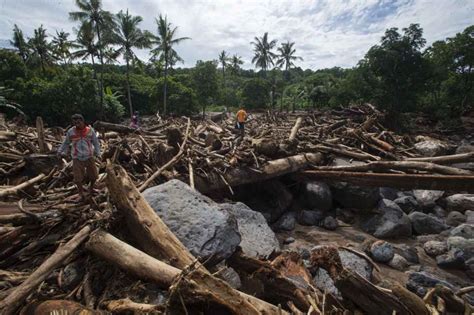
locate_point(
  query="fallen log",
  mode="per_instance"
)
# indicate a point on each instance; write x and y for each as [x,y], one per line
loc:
[127,305]
[198,283]
[7,136]
[369,298]
[240,176]
[406,181]
[399,165]
[18,295]
[14,190]
[295,129]
[143,223]
[103,126]
[446,159]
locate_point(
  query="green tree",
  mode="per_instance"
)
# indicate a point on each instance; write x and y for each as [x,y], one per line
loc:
[235,63]
[263,55]
[205,82]
[86,44]
[255,93]
[398,66]
[20,43]
[90,12]
[41,49]
[286,56]
[62,47]
[127,35]
[164,41]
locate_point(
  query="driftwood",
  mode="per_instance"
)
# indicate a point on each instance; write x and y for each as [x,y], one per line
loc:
[14,190]
[17,296]
[43,148]
[446,159]
[295,129]
[399,165]
[275,168]
[127,305]
[406,181]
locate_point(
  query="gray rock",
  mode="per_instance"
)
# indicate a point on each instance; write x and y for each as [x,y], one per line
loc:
[408,252]
[464,244]
[309,217]
[470,267]
[423,223]
[464,230]
[317,195]
[382,251]
[460,202]
[420,282]
[329,223]
[454,259]
[407,203]
[455,218]
[202,225]
[389,222]
[287,222]
[398,262]
[435,248]
[350,261]
[230,276]
[427,198]
[438,212]
[469,216]
[388,193]
[432,147]
[257,237]
[352,196]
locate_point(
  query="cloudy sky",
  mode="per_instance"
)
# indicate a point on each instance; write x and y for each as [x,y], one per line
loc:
[327,32]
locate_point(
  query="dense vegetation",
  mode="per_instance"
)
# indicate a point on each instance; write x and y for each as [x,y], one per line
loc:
[56,76]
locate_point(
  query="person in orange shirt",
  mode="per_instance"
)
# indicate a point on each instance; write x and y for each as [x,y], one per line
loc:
[241,118]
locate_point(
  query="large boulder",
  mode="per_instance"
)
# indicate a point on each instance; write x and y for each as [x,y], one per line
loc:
[423,223]
[203,226]
[317,195]
[427,198]
[463,230]
[389,221]
[432,147]
[460,202]
[350,261]
[358,197]
[257,237]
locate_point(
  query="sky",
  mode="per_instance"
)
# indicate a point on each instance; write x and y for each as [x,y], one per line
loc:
[326,33]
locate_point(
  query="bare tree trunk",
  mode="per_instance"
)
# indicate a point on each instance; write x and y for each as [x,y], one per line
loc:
[40,130]
[165,88]
[128,87]
[101,58]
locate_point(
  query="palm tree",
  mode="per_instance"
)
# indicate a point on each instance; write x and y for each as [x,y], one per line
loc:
[127,36]
[40,47]
[286,56]
[85,41]
[101,22]
[164,41]
[264,56]
[19,43]
[62,46]
[235,63]
[223,59]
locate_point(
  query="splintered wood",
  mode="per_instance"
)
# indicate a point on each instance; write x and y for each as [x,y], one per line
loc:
[113,253]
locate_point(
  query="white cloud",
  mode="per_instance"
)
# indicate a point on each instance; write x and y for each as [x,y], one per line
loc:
[327,33]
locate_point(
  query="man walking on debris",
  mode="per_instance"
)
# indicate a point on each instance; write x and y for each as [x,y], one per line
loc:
[241,118]
[85,148]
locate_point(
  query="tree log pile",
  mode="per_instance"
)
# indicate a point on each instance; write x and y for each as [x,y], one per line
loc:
[111,254]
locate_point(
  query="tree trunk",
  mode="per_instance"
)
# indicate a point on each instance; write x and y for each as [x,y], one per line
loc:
[165,88]
[195,286]
[101,72]
[40,130]
[128,87]
[21,292]
[294,130]
[240,176]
